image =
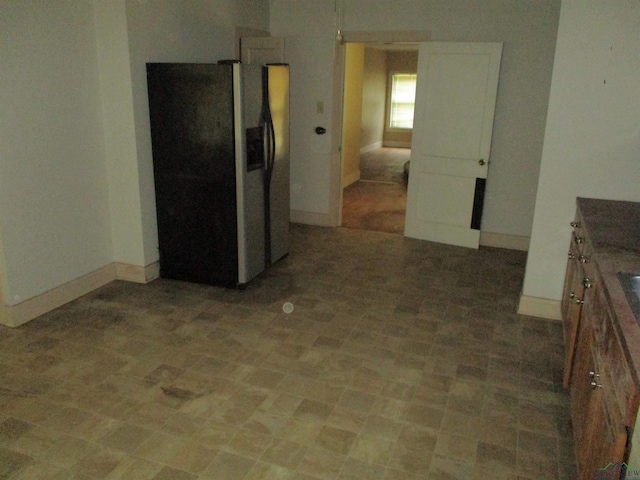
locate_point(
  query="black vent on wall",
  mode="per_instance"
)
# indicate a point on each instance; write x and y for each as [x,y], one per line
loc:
[478,202]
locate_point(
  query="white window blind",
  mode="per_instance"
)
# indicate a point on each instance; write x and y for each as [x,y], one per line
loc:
[403,97]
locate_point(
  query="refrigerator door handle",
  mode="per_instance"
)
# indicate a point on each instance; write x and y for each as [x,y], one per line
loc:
[269,157]
[266,143]
[272,138]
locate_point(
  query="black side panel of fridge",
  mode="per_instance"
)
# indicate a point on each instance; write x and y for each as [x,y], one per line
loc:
[192,134]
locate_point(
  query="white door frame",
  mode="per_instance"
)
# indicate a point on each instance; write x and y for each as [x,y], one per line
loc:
[361,36]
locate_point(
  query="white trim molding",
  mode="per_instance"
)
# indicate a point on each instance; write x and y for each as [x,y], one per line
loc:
[501,240]
[21,313]
[349,179]
[137,273]
[540,307]
[396,144]
[312,218]
[371,148]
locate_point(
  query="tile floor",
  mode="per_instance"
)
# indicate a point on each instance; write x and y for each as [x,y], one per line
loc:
[401,360]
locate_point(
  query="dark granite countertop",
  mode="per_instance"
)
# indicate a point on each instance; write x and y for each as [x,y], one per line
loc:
[612,223]
[613,228]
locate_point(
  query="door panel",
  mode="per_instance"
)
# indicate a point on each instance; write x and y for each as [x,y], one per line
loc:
[455,105]
[438,186]
[311,61]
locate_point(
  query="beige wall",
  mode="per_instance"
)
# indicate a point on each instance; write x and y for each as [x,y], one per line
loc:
[404,62]
[592,137]
[374,92]
[76,180]
[528,32]
[54,204]
[352,113]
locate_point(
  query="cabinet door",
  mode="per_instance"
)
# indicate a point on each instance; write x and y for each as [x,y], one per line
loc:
[605,441]
[623,385]
[581,389]
[599,428]
[572,299]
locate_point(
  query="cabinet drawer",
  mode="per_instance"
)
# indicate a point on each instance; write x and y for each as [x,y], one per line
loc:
[578,236]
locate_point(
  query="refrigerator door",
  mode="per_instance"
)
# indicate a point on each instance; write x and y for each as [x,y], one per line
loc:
[249,164]
[276,78]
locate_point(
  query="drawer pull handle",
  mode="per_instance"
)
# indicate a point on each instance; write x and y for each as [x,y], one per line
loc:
[578,239]
[575,224]
[584,259]
[577,301]
[571,255]
[594,380]
[586,282]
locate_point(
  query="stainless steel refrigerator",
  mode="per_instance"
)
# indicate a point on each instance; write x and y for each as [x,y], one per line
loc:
[220,141]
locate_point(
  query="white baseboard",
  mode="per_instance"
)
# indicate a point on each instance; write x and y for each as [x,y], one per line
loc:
[312,218]
[371,148]
[500,240]
[16,315]
[137,273]
[540,307]
[21,313]
[394,144]
[349,179]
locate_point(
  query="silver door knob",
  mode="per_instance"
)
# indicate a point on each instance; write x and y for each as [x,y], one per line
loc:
[481,162]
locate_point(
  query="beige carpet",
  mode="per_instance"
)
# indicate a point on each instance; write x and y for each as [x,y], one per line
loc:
[378,200]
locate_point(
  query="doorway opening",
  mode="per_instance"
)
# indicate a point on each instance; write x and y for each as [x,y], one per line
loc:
[378,200]
[376,135]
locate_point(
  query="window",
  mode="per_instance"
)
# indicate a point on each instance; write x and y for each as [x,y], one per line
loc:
[402,100]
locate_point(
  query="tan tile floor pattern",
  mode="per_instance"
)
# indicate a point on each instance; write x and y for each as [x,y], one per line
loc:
[401,360]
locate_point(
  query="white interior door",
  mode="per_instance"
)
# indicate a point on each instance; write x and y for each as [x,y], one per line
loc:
[453,123]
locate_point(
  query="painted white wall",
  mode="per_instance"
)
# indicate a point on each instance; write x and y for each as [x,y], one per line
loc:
[76,178]
[592,139]
[307,26]
[176,31]
[54,209]
[119,133]
[528,31]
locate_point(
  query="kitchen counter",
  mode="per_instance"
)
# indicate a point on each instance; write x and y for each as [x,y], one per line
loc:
[613,228]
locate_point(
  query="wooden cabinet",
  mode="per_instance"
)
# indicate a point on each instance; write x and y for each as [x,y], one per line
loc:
[598,372]
[600,431]
[576,286]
